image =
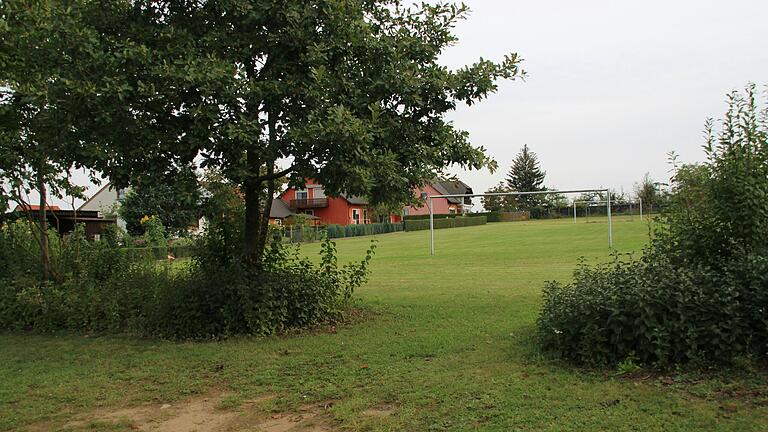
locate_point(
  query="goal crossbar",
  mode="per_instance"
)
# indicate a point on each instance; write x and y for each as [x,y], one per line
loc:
[432,215]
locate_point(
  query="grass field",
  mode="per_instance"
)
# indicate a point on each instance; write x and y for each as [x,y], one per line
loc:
[449,347]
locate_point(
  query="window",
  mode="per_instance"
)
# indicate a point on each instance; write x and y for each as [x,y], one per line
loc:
[309,212]
[406,211]
[301,194]
[120,194]
[452,210]
[365,216]
[355,216]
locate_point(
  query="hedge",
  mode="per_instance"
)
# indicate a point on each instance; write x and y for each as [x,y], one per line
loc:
[338,231]
[436,216]
[464,221]
[309,234]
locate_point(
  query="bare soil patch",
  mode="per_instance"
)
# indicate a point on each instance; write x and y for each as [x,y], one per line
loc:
[203,414]
[380,411]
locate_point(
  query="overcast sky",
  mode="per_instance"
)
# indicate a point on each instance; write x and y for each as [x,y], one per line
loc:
[612,86]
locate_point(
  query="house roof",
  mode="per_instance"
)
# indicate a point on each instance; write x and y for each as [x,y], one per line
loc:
[355,199]
[452,187]
[35,207]
[279,209]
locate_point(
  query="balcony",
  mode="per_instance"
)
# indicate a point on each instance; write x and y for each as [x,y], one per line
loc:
[300,204]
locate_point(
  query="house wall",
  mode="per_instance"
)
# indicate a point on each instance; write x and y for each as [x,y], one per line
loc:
[440,205]
[105,202]
[339,210]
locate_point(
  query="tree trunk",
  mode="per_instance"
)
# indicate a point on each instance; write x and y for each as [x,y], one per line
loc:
[264,223]
[45,259]
[252,227]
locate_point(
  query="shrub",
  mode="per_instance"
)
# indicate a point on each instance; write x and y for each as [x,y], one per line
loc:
[97,286]
[657,311]
[103,287]
[699,292]
[289,292]
[154,231]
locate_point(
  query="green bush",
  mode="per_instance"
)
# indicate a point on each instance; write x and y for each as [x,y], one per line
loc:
[417,225]
[103,287]
[97,287]
[291,292]
[699,292]
[657,311]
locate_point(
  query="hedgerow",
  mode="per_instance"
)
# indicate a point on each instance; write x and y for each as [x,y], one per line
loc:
[417,225]
[101,286]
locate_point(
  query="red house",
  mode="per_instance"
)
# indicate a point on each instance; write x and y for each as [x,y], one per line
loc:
[443,205]
[311,200]
[350,210]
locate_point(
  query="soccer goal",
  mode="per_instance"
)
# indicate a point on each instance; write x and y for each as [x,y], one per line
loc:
[587,205]
[432,216]
[591,204]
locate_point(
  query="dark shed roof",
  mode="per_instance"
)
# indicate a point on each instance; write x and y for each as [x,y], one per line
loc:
[454,187]
[354,199]
[279,210]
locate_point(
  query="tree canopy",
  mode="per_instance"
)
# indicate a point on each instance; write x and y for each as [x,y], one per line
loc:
[647,190]
[348,92]
[499,203]
[176,205]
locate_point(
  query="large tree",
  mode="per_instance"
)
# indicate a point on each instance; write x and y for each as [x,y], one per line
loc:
[499,202]
[348,92]
[39,146]
[647,190]
[526,175]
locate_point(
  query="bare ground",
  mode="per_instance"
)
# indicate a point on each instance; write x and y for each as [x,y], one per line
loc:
[203,414]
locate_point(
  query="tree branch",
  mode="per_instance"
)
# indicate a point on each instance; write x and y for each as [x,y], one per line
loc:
[276,175]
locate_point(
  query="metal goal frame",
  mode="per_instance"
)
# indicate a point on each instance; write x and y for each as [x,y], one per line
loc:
[432,215]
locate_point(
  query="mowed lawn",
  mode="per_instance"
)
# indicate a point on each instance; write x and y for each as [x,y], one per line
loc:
[449,347]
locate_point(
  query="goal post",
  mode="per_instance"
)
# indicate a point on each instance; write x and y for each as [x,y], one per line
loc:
[432,214]
[586,207]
